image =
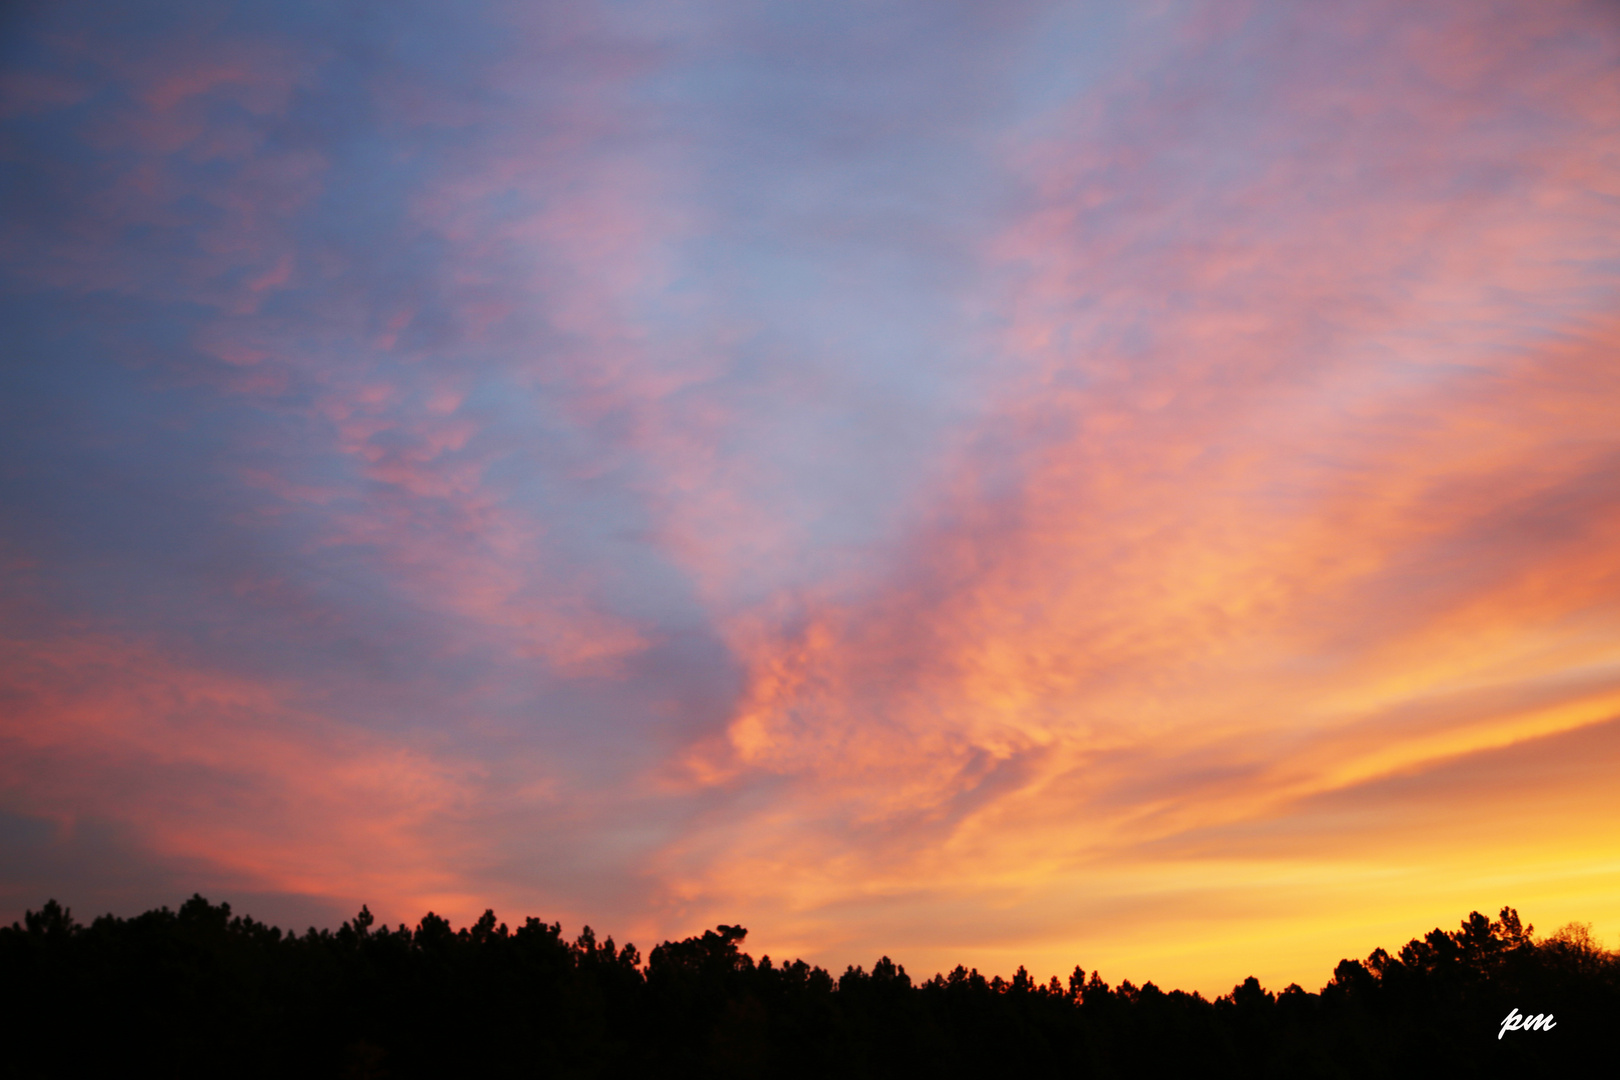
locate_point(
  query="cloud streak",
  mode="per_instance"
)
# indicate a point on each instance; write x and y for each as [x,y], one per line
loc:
[1055,486]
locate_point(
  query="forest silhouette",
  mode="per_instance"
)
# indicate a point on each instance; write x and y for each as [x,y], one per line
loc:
[203,992]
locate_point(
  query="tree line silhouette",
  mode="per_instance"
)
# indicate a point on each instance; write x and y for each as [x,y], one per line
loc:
[200,991]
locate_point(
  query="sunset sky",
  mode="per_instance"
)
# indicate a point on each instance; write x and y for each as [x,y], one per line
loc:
[1134,485]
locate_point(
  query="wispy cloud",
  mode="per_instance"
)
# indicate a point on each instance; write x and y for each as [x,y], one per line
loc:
[1045,485]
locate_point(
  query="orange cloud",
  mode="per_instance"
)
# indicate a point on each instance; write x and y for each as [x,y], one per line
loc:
[1292,484]
[1253,602]
[233,773]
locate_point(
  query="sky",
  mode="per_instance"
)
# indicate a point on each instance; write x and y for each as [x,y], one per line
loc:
[1134,486]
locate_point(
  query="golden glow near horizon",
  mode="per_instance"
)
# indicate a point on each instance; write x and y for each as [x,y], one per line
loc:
[978,506]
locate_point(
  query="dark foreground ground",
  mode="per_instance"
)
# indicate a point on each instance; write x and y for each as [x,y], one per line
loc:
[198,992]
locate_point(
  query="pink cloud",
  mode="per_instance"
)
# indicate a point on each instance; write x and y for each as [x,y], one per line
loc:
[234,772]
[1245,523]
[1285,475]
